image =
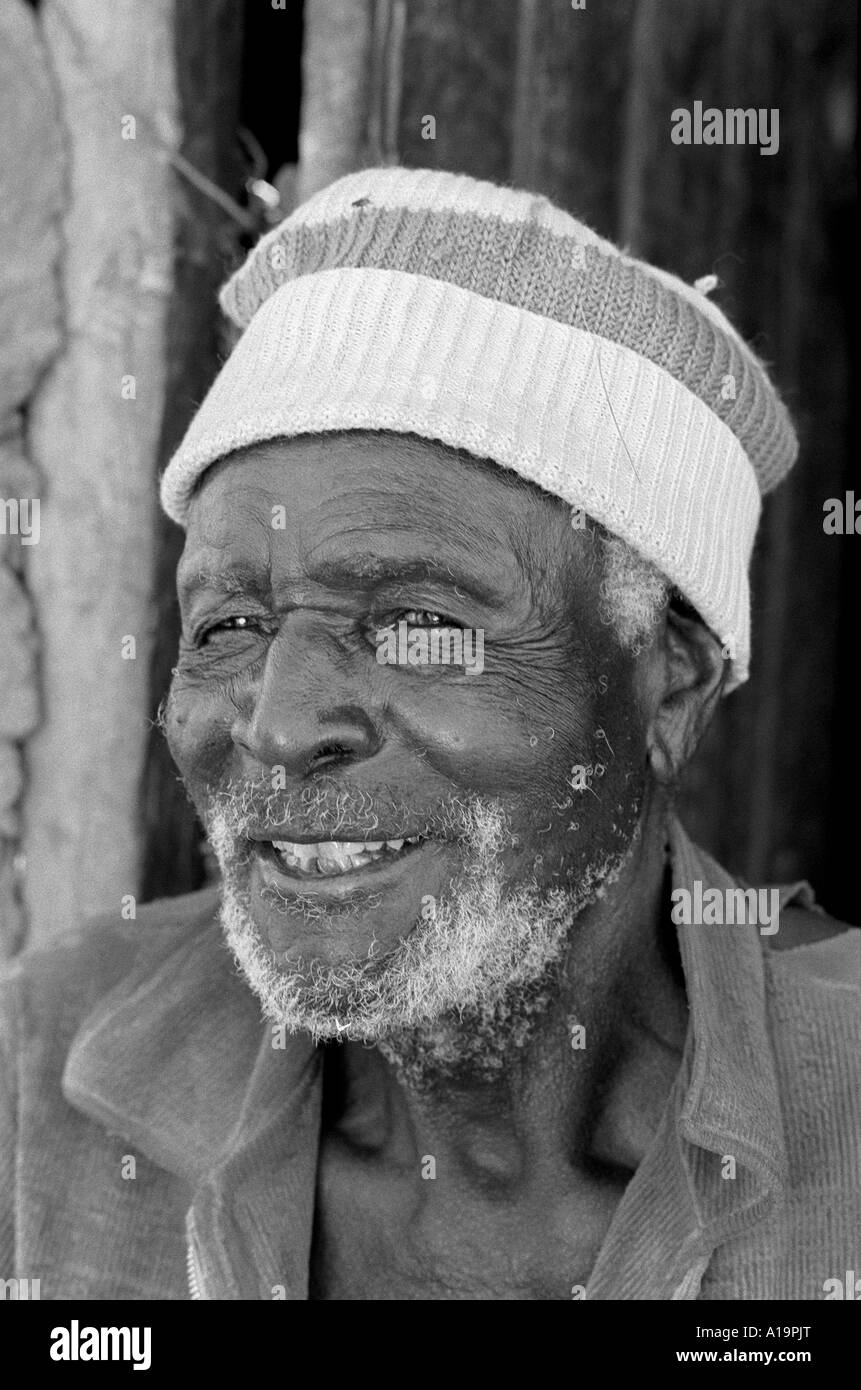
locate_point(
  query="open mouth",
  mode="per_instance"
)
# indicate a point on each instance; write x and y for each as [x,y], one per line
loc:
[332,858]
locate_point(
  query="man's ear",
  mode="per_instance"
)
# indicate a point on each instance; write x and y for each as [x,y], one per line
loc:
[686,673]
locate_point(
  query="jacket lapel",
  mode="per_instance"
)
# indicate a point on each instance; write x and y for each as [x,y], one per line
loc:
[677,1208]
[178,1061]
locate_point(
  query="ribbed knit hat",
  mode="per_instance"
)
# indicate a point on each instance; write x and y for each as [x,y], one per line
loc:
[436,304]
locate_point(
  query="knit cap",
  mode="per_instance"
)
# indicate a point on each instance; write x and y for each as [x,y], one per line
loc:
[484,317]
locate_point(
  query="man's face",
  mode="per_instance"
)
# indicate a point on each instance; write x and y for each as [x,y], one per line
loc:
[289,731]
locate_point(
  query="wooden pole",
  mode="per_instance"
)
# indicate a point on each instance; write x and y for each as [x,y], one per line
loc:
[336,88]
[95,426]
[30,336]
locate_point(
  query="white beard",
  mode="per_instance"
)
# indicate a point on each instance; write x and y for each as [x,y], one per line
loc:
[467,983]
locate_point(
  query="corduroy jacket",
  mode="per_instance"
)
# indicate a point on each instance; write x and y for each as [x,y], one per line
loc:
[154,1144]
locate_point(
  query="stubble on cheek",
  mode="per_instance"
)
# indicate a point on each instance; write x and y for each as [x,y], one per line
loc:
[583,755]
[196,721]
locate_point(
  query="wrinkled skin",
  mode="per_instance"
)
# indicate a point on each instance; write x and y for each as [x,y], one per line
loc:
[534,1163]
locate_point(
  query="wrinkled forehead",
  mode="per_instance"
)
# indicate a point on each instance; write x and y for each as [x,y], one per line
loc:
[375,494]
[427,472]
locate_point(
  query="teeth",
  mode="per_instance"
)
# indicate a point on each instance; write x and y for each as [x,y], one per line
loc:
[297,856]
[336,856]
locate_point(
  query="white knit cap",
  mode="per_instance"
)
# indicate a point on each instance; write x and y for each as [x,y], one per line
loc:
[435,304]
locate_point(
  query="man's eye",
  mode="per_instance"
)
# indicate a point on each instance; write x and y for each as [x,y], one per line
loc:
[423,617]
[240,622]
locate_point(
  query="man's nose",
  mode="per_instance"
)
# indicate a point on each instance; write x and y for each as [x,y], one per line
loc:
[306,712]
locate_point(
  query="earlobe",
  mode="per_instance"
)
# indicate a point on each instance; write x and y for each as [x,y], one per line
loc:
[687,680]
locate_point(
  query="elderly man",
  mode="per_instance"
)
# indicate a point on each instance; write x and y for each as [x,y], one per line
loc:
[498,1029]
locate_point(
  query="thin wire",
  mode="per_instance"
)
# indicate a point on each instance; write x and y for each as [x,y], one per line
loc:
[613,413]
[210,189]
[597,351]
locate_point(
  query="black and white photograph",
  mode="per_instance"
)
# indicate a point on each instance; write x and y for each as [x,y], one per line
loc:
[428,623]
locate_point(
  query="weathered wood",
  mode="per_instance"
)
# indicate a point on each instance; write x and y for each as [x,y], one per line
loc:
[30,335]
[644,64]
[336,72]
[208,49]
[758,795]
[458,68]
[95,426]
[525,134]
[386,83]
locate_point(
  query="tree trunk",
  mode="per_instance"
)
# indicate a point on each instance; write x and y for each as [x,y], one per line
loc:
[95,425]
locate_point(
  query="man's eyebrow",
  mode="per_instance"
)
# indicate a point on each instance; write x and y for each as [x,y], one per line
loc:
[370,570]
[233,581]
[367,571]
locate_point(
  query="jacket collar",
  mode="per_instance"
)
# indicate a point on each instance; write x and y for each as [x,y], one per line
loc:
[732,1093]
[167,1057]
[724,1105]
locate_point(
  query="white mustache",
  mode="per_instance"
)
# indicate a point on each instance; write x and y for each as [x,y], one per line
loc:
[328,811]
